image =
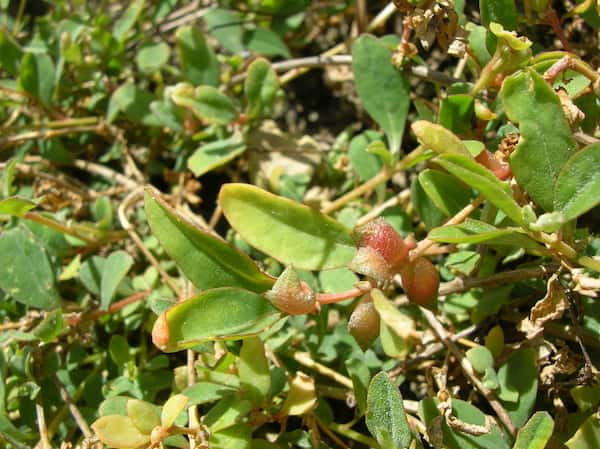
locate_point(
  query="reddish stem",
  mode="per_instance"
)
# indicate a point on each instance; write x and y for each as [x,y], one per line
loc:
[556,25]
[330,298]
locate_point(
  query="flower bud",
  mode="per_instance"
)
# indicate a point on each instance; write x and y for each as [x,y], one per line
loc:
[420,281]
[363,323]
[291,295]
[381,252]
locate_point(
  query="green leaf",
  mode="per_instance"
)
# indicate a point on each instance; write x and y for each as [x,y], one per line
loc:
[119,432]
[382,89]
[119,351]
[199,64]
[536,432]
[503,12]
[116,267]
[235,437]
[483,362]
[288,231]
[144,415]
[455,439]
[127,20]
[205,392]
[217,314]
[577,188]
[152,57]
[360,375]
[167,114]
[16,206]
[475,231]
[172,408]
[206,102]
[301,398]
[265,42]
[586,396]
[365,164]
[206,260]
[429,213]
[215,154]
[227,412]
[25,270]
[36,76]
[385,413]
[456,113]
[260,87]
[447,193]
[50,327]
[134,102]
[519,374]
[546,141]
[587,436]
[10,53]
[439,139]
[253,370]
[480,178]
[225,26]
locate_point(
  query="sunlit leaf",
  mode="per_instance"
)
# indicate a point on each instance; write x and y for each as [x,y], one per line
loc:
[288,231]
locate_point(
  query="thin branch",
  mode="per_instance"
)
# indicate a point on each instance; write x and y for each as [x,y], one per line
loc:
[79,419]
[381,177]
[305,359]
[445,338]
[310,62]
[44,442]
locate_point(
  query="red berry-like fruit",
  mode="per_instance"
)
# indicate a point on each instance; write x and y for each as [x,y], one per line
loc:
[501,169]
[363,323]
[381,250]
[420,281]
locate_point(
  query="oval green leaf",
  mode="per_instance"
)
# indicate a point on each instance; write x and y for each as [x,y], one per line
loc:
[260,87]
[546,141]
[577,188]
[144,415]
[119,432]
[447,193]
[383,90]
[16,206]
[206,260]
[536,433]
[439,139]
[206,102]
[385,416]
[483,180]
[475,231]
[253,369]
[199,64]
[288,231]
[217,314]
[519,375]
[215,154]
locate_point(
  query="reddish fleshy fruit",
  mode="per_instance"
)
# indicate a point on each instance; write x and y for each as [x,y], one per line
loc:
[291,295]
[501,169]
[381,251]
[420,280]
[363,323]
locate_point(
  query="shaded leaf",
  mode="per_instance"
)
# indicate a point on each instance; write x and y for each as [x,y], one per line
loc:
[217,314]
[36,76]
[25,270]
[116,267]
[152,57]
[519,375]
[127,20]
[10,53]
[536,432]
[587,436]
[206,260]
[446,192]
[503,12]
[253,370]
[199,64]
[288,231]
[383,90]
[265,42]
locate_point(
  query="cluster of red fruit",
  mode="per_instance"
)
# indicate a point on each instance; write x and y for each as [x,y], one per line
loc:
[383,253]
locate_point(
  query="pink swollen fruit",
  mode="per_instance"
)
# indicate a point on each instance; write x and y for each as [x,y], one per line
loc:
[420,280]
